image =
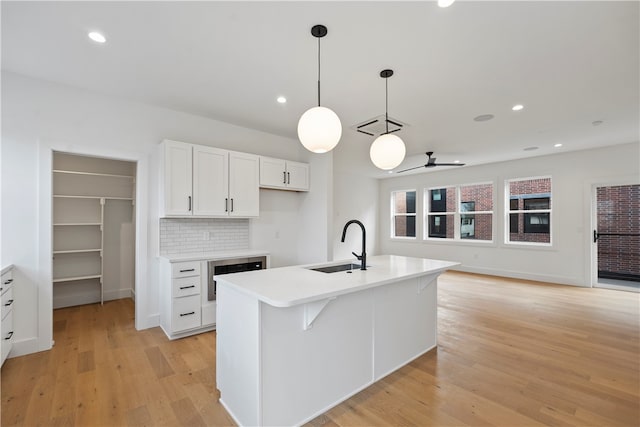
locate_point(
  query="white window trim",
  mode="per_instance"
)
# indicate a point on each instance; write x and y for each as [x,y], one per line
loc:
[508,211]
[392,222]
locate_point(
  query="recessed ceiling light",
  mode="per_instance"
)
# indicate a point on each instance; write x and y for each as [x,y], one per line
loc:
[97,37]
[517,107]
[281,99]
[558,145]
[483,117]
[596,122]
[445,3]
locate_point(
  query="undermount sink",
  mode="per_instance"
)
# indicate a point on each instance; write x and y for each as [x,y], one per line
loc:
[337,268]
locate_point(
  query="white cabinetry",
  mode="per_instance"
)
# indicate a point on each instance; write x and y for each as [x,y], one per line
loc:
[184,311]
[8,302]
[283,174]
[93,229]
[209,182]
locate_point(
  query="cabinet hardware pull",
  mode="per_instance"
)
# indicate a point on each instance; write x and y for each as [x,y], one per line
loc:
[8,281]
[288,177]
[284,177]
[187,314]
[231,205]
[187,287]
[189,203]
[9,303]
[226,205]
[8,337]
[187,270]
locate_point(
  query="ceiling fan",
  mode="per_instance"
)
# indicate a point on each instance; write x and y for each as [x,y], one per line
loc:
[431,163]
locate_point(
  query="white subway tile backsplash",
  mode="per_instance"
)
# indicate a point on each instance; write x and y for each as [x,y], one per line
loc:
[191,235]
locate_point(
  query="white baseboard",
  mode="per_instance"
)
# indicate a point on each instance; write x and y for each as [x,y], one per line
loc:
[24,346]
[117,294]
[548,278]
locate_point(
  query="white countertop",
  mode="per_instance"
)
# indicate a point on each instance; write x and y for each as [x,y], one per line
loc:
[215,256]
[290,286]
[7,269]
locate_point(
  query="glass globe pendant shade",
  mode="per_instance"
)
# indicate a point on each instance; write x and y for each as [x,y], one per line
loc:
[319,129]
[387,151]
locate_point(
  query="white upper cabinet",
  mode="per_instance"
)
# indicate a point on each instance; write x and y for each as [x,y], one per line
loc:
[178,178]
[209,182]
[244,184]
[283,174]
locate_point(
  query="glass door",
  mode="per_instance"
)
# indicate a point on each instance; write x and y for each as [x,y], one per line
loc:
[616,237]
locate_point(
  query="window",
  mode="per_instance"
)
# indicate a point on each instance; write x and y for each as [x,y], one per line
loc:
[476,207]
[529,213]
[403,214]
[441,210]
[470,219]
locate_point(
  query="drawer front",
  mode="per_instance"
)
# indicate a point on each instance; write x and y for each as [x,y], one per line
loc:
[7,302]
[185,269]
[6,339]
[186,313]
[185,286]
[7,281]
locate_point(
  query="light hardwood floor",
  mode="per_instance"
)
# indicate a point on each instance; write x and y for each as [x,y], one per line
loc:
[510,353]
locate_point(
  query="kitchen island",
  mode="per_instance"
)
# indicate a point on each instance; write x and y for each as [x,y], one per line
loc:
[293,342]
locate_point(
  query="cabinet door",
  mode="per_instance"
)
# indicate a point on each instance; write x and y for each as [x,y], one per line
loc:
[177,178]
[244,185]
[210,181]
[298,176]
[272,173]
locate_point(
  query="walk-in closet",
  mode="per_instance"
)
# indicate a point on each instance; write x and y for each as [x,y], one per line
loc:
[93,229]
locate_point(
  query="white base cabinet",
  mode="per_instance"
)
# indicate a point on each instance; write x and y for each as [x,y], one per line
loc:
[183,299]
[285,366]
[6,309]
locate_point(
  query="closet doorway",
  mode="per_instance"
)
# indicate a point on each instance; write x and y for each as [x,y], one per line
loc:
[93,229]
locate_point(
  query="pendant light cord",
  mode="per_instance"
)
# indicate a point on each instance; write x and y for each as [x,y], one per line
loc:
[386,103]
[318,71]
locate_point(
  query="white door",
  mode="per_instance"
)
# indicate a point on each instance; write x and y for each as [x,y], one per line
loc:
[272,172]
[210,181]
[177,179]
[298,176]
[244,184]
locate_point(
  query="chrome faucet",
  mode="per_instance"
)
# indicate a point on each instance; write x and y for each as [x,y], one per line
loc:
[362,258]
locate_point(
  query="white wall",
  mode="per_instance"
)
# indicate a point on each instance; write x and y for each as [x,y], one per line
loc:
[573,174]
[355,196]
[38,117]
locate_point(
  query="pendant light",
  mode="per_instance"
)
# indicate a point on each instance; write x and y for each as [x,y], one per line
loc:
[319,128]
[388,150]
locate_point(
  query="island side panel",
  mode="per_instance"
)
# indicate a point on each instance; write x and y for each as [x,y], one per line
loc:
[405,324]
[306,372]
[237,354]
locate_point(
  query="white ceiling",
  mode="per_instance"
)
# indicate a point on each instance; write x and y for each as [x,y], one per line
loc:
[569,63]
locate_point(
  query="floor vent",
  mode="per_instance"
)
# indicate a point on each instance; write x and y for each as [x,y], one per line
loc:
[376,126]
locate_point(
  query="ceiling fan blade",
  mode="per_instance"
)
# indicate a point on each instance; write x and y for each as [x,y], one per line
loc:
[410,169]
[448,164]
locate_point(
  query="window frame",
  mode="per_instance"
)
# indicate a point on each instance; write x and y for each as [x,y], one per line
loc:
[458,214]
[394,214]
[527,213]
